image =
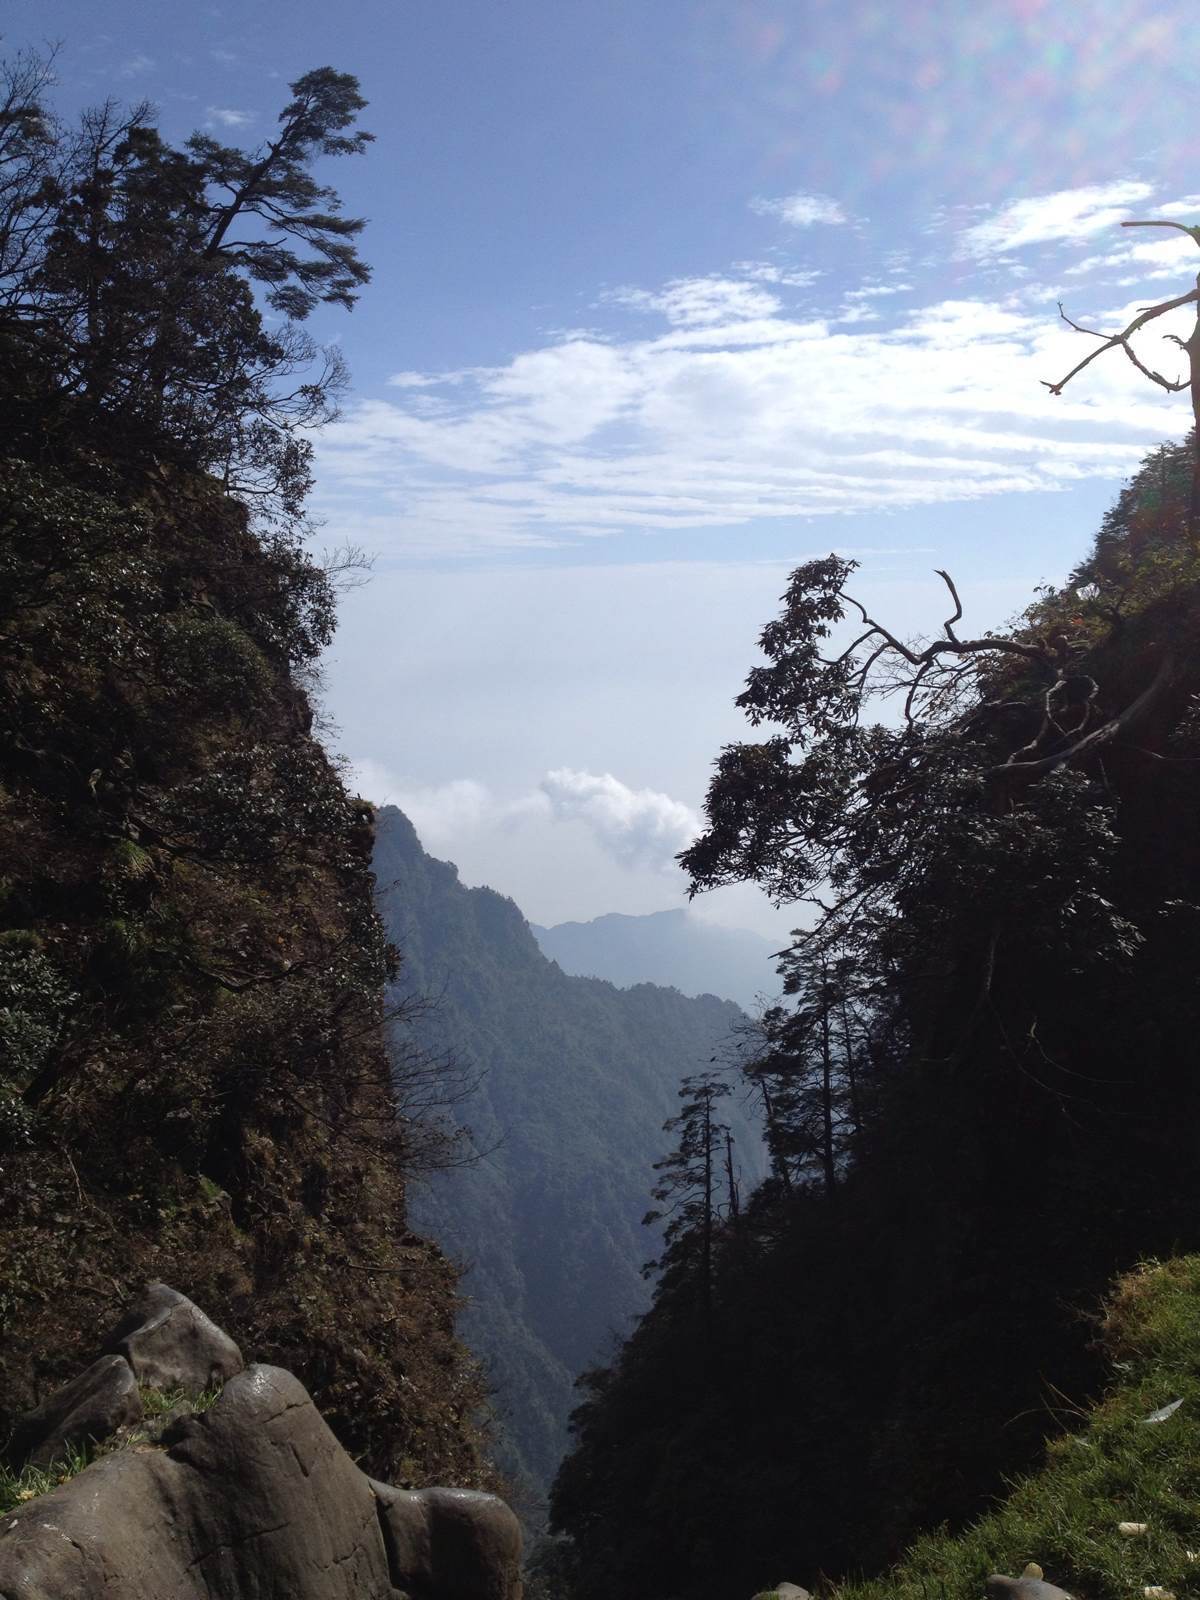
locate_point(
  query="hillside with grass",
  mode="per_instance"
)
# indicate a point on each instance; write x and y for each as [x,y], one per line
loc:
[1115,1509]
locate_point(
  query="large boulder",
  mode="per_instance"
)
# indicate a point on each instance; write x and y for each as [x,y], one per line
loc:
[451,1542]
[253,1497]
[103,1398]
[1026,1587]
[170,1344]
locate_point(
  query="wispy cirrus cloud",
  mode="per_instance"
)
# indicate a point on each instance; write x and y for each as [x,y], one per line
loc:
[717,421]
[702,302]
[765,393]
[1065,215]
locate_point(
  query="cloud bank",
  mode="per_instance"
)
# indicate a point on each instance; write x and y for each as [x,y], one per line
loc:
[636,828]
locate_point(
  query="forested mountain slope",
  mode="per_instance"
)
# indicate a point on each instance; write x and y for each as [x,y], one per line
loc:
[666,947]
[982,1096]
[193,1079]
[575,1079]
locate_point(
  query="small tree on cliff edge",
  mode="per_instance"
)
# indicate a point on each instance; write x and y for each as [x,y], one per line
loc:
[1123,340]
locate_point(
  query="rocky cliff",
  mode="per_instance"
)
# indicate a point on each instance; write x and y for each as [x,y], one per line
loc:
[193,1082]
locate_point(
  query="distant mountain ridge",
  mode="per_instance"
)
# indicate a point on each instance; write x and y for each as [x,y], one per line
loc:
[577,1078]
[672,948]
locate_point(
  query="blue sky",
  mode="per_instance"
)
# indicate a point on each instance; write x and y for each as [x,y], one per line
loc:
[667,297]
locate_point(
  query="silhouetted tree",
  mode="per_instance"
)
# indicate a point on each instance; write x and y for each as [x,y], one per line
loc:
[688,1185]
[130,274]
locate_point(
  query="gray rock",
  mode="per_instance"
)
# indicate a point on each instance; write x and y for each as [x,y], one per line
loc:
[452,1542]
[791,1591]
[171,1344]
[91,1407]
[252,1497]
[1001,1588]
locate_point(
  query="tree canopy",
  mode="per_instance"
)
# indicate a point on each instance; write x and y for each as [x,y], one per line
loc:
[155,296]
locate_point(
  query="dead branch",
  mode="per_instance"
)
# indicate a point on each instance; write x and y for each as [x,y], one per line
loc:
[948,625]
[1121,340]
[928,657]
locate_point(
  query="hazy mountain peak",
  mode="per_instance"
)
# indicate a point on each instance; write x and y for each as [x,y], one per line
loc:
[671,947]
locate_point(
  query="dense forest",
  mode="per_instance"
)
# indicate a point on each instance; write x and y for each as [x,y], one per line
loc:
[193,1079]
[980,1092]
[564,1084]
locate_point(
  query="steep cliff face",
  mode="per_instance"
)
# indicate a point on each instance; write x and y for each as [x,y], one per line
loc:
[193,1084]
[573,1080]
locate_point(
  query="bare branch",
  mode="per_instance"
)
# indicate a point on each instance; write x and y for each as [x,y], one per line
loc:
[958,609]
[1182,227]
[1171,385]
[1113,340]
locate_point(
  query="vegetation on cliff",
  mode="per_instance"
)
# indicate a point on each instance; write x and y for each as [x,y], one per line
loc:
[193,1079]
[1112,1512]
[980,1098]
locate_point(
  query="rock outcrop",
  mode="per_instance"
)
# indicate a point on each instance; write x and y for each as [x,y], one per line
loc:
[169,1343]
[1026,1587]
[252,1496]
[103,1398]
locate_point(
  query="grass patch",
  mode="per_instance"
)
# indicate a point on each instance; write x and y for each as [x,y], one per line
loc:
[1118,1468]
[160,1402]
[16,1488]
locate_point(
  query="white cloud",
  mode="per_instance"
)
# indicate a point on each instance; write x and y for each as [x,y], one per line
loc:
[800,210]
[638,827]
[733,413]
[703,302]
[877,291]
[442,813]
[1066,214]
[710,401]
[769,272]
[135,66]
[1153,258]
[413,380]
[228,118]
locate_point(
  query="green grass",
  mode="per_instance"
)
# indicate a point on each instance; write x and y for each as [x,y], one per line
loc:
[158,1402]
[18,1487]
[1118,1468]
